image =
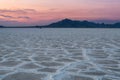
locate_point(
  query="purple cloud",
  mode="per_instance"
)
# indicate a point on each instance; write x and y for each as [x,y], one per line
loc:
[19,11]
[6,16]
[19,17]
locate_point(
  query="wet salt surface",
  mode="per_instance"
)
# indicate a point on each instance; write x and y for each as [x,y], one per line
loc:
[59,54]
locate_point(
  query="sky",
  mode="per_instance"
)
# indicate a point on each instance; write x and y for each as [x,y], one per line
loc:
[42,12]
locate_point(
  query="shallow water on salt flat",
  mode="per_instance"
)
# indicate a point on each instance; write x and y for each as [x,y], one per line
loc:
[60,54]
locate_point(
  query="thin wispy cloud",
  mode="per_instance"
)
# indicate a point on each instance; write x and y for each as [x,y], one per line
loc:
[19,14]
[19,11]
[6,16]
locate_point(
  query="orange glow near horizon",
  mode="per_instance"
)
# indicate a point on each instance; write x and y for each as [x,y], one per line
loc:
[45,11]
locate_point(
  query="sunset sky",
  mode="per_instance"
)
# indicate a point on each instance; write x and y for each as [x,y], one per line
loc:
[40,12]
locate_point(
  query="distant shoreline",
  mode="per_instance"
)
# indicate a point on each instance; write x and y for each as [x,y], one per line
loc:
[62,27]
[17,27]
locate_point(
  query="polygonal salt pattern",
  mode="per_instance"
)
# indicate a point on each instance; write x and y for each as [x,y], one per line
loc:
[59,54]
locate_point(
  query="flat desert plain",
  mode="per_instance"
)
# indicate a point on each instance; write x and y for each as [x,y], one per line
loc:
[60,54]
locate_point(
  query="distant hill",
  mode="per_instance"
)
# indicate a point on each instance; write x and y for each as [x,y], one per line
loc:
[67,23]
[1,26]
[116,25]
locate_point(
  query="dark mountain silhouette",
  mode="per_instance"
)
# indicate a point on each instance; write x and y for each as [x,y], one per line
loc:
[67,23]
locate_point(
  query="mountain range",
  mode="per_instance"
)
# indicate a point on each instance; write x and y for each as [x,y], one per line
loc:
[68,23]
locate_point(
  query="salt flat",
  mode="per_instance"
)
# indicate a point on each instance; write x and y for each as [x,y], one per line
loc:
[59,54]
